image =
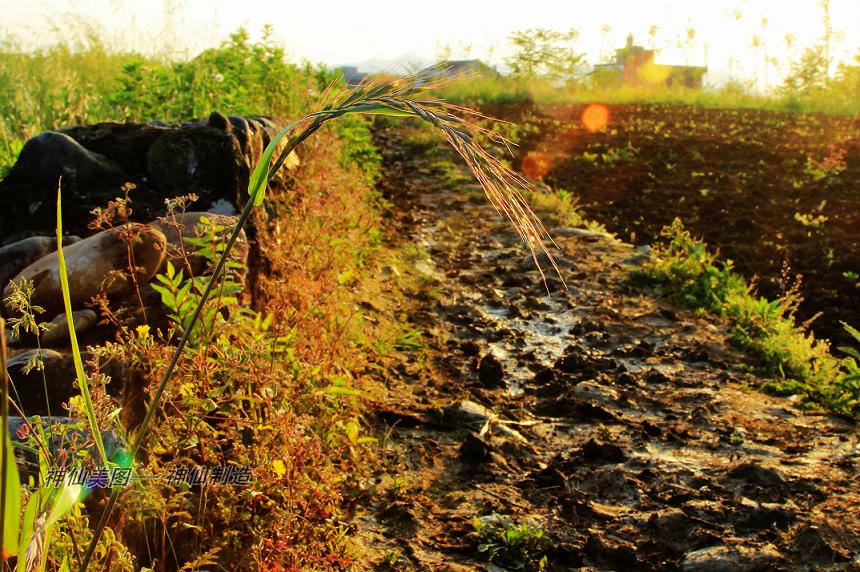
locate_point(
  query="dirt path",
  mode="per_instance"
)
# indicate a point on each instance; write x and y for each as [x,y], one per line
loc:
[622,428]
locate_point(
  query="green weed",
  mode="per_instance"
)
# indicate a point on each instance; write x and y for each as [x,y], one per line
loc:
[517,546]
[685,271]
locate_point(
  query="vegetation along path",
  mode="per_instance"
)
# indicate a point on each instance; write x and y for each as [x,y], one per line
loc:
[591,426]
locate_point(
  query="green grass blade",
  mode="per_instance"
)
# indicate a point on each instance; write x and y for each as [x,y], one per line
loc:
[34,505]
[76,351]
[10,486]
[260,177]
[11,498]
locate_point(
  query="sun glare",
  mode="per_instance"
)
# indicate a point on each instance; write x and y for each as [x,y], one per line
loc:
[595,117]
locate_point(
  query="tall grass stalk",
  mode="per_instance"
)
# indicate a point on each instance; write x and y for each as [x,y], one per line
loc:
[384,96]
[70,320]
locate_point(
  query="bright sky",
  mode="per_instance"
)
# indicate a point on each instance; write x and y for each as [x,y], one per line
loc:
[341,32]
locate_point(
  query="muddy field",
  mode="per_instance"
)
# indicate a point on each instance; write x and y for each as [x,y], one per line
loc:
[625,431]
[776,193]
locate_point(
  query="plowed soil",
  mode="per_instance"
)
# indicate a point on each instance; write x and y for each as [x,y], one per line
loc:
[752,183]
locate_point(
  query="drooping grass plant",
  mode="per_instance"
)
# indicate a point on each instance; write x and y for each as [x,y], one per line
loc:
[398,97]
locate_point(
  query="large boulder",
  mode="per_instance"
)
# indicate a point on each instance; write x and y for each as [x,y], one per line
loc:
[98,264]
[212,158]
[203,160]
[29,191]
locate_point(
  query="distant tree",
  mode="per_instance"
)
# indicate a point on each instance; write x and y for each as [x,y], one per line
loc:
[808,75]
[846,85]
[540,52]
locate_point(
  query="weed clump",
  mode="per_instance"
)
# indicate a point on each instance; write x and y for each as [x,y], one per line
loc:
[683,270]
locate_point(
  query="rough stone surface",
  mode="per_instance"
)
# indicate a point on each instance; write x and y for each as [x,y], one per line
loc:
[202,160]
[29,191]
[97,264]
[59,378]
[58,334]
[730,559]
[212,157]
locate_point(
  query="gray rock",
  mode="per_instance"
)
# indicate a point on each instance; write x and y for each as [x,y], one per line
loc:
[730,559]
[590,390]
[636,259]
[58,334]
[17,256]
[64,434]
[582,233]
[97,264]
[466,413]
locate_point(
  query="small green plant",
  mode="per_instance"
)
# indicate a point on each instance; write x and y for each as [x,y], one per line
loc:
[561,207]
[619,155]
[830,167]
[684,270]
[181,294]
[517,546]
[812,220]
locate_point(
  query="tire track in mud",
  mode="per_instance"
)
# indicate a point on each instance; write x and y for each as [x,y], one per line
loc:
[625,429]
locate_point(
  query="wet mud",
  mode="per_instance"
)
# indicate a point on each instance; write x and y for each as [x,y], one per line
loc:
[625,429]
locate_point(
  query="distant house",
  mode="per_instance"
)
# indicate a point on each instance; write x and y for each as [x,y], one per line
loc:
[634,66]
[456,68]
[351,75]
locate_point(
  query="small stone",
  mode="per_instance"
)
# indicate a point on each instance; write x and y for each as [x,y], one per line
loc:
[58,334]
[731,559]
[593,391]
[466,413]
[490,371]
[582,233]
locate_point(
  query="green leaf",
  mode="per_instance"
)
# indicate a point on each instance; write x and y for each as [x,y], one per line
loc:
[335,390]
[63,503]
[260,177]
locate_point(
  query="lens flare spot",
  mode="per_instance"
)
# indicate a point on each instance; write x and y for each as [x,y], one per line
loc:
[536,165]
[595,117]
